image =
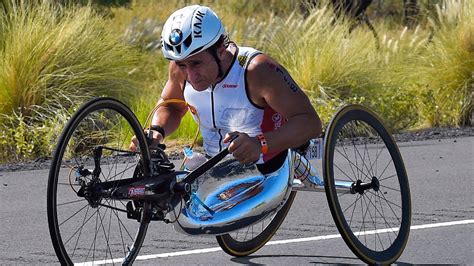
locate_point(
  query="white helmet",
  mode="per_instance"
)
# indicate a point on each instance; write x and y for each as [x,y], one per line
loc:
[190,30]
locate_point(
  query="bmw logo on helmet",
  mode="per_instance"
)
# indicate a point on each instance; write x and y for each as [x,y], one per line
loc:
[176,36]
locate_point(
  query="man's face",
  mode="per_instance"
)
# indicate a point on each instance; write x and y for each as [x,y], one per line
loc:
[201,70]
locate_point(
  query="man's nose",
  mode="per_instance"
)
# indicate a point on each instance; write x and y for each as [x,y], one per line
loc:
[192,74]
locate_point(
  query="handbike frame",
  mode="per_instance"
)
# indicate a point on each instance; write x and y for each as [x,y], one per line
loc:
[228,194]
[166,190]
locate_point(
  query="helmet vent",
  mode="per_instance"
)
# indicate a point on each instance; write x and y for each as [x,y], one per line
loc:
[188,41]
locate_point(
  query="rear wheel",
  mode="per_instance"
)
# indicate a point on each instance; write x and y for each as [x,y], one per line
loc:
[250,239]
[84,226]
[374,216]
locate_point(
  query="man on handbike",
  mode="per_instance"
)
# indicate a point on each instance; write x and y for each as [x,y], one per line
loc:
[236,91]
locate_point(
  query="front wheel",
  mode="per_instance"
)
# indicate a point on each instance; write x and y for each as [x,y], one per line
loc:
[373,216]
[86,226]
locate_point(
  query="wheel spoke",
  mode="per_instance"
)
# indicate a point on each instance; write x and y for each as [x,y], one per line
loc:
[355,206]
[386,200]
[120,229]
[363,217]
[389,163]
[370,163]
[344,173]
[74,214]
[389,226]
[393,189]
[382,215]
[80,228]
[366,153]
[374,220]
[347,158]
[353,203]
[106,236]
[95,238]
[363,161]
[246,233]
[357,168]
[121,173]
[112,207]
[388,177]
[355,156]
[70,202]
[80,232]
[377,158]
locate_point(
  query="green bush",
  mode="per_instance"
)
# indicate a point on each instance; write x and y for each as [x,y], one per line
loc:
[332,66]
[52,59]
[22,138]
[413,78]
[448,67]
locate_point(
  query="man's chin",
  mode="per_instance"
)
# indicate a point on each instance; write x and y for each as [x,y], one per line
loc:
[200,86]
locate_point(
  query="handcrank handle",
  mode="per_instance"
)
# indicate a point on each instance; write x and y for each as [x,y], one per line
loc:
[209,164]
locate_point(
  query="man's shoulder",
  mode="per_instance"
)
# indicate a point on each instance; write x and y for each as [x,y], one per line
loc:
[261,66]
[262,78]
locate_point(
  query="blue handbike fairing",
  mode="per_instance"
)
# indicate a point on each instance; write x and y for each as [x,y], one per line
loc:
[231,196]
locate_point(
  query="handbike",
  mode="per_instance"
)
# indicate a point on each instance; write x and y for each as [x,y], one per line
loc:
[102,197]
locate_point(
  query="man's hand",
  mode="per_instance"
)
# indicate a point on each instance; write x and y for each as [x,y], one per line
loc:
[156,139]
[244,148]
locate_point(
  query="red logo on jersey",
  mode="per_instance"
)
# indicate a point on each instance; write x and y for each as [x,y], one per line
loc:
[230,86]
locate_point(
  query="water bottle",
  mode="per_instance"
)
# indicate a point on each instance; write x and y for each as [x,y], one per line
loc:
[193,159]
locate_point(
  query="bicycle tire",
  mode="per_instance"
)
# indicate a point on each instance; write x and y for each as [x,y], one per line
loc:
[387,210]
[80,134]
[237,248]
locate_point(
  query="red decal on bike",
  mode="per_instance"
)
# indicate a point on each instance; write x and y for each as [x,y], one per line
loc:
[136,191]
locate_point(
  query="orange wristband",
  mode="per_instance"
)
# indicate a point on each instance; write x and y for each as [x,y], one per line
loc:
[263,142]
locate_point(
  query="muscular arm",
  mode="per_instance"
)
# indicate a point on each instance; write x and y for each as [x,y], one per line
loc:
[271,85]
[169,116]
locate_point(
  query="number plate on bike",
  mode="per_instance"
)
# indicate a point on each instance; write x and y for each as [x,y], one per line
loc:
[315,149]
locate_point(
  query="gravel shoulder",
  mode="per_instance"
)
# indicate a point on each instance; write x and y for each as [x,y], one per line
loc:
[419,135]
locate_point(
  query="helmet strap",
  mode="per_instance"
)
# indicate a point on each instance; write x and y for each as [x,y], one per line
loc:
[218,61]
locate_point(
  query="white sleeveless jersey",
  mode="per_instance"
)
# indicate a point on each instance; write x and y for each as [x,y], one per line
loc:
[226,107]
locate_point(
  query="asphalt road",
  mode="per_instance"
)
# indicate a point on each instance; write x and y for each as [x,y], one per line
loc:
[441,176]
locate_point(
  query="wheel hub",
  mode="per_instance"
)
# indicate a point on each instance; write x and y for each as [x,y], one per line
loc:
[360,187]
[91,192]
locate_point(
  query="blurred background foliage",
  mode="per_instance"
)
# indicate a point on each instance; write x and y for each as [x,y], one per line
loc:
[412,61]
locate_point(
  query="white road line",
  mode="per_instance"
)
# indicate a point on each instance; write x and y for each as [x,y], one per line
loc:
[279,242]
